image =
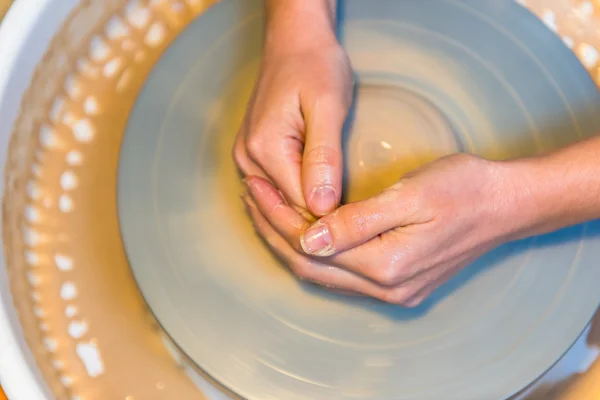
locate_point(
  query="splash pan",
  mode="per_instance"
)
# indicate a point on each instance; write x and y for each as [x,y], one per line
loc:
[514,89]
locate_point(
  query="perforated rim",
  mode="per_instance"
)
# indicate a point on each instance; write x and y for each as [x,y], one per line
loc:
[19,376]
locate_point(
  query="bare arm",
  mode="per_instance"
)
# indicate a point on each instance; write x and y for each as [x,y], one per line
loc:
[439,218]
[293,23]
[556,190]
[292,132]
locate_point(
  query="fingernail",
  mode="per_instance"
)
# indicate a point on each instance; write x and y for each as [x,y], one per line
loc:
[317,241]
[323,199]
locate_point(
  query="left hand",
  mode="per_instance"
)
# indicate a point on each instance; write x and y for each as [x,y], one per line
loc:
[292,131]
[401,245]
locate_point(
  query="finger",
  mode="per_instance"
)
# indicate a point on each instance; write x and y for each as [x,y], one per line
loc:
[420,297]
[311,269]
[245,165]
[389,259]
[413,292]
[304,267]
[275,146]
[354,224]
[446,272]
[426,292]
[322,163]
[400,259]
[382,259]
[284,219]
[391,275]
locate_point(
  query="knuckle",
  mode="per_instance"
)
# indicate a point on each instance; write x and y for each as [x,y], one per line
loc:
[397,296]
[329,96]
[255,146]
[300,270]
[353,225]
[393,271]
[406,254]
[414,198]
[413,302]
[386,275]
[419,199]
[322,155]
[327,86]
[397,189]
[360,265]
[238,154]
[398,262]
[467,159]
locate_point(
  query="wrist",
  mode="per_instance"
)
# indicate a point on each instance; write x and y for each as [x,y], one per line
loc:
[297,25]
[519,198]
[498,206]
[552,191]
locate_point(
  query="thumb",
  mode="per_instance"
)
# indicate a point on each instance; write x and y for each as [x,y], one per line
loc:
[323,161]
[356,223]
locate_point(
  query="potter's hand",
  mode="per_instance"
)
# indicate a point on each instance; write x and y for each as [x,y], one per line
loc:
[292,131]
[412,237]
[415,235]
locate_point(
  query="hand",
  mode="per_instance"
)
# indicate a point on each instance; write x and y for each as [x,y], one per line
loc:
[401,245]
[292,131]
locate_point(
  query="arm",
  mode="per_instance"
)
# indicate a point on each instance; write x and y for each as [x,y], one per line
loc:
[292,21]
[292,132]
[556,190]
[516,198]
[417,234]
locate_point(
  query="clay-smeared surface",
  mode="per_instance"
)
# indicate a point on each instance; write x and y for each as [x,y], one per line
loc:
[426,87]
[393,131]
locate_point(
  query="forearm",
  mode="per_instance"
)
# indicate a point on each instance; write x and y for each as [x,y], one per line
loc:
[556,190]
[293,23]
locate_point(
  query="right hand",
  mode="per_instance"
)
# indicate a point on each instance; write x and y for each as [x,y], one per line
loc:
[292,131]
[402,244]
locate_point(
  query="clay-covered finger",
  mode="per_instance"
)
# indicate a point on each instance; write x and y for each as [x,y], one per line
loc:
[356,223]
[281,216]
[245,165]
[311,269]
[277,148]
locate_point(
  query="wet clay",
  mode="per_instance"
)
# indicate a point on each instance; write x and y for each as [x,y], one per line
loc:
[4,4]
[187,251]
[392,132]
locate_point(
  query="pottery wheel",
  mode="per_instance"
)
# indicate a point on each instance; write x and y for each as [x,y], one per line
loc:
[434,77]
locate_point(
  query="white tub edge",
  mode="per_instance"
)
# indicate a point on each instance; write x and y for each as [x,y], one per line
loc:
[19,376]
